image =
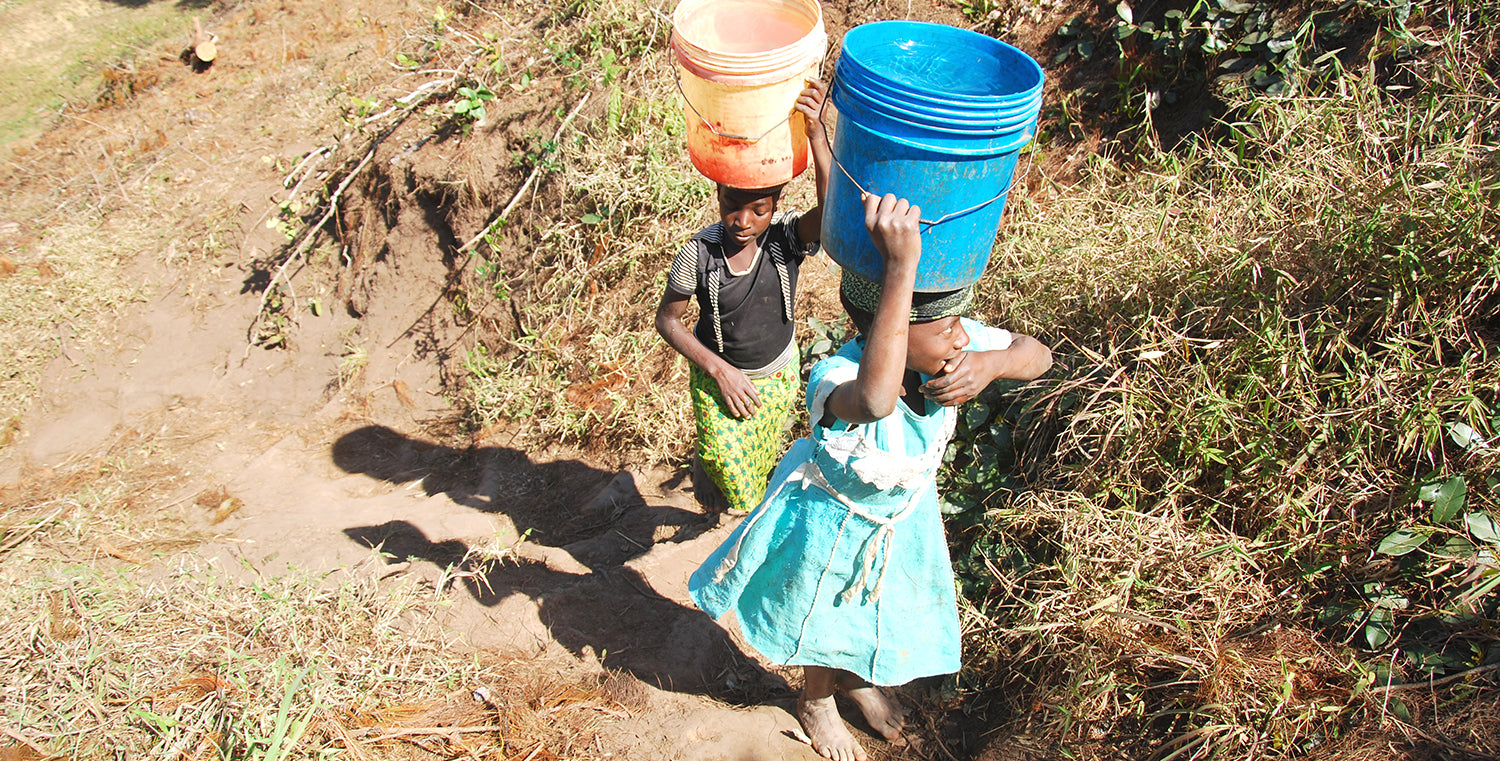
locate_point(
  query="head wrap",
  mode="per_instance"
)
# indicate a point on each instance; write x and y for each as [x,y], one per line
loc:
[860,296]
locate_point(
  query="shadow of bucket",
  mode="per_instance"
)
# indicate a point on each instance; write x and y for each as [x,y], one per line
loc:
[936,115]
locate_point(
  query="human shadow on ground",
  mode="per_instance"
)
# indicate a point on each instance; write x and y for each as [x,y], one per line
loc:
[581,526]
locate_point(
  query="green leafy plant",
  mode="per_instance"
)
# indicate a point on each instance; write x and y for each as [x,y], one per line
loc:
[286,219]
[537,151]
[275,325]
[469,106]
[826,339]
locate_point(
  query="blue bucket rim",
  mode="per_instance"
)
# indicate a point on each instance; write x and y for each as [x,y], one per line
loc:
[918,93]
[971,122]
[876,84]
[965,145]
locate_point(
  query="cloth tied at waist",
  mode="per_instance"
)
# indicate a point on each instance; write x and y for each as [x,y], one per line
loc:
[877,550]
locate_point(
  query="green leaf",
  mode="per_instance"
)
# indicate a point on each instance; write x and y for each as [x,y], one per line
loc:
[1399,709]
[1483,527]
[1449,500]
[1467,437]
[976,414]
[1456,547]
[1378,628]
[1126,14]
[591,219]
[1401,541]
[1280,46]
[1236,6]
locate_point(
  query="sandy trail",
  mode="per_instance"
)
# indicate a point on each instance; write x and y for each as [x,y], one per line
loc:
[273,458]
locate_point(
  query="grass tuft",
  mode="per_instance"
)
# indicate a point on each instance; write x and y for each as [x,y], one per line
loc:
[198,664]
[1276,375]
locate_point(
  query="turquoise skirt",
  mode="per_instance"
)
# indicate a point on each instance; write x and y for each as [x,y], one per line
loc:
[862,584]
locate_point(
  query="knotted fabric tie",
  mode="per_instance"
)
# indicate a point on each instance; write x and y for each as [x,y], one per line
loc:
[877,549]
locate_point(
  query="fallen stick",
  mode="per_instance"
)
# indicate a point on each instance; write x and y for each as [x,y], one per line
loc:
[307,240]
[1437,682]
[32,529]
[474,241]
[525,185]
[422,731]
[411,101]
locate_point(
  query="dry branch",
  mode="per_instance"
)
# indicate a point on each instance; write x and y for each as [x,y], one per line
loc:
[1437,682]
[310,234]
[527,184]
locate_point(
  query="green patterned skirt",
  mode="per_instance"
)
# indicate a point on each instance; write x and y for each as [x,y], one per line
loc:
[739,454]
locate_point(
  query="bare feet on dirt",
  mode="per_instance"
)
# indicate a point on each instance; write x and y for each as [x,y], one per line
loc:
[830,737]
[709,496]
[883,714]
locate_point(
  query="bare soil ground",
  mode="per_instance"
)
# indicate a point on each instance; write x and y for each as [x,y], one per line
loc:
[295,455]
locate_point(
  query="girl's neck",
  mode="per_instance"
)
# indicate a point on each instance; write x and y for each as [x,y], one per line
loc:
[740,261]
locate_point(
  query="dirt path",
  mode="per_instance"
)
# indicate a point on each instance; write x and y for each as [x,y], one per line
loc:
[272,459]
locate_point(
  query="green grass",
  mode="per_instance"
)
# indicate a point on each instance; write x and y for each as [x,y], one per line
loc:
[55,51]
[591,368]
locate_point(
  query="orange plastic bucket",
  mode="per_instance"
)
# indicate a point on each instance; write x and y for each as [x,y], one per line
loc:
[740,66]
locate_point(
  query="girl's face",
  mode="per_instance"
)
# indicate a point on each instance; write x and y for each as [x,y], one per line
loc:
[746,213]
[931,345]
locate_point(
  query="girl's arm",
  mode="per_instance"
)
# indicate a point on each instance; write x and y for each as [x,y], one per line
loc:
[872,395]
[739,393]
[810,103]
[962,379]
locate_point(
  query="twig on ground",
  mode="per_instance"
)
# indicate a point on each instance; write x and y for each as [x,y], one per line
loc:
[474,241]
[424,732]
[307,162]
[1437,682]
[32,529]
[308,238]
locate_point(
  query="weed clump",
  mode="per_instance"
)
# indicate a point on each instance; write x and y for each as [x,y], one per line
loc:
[1259,501]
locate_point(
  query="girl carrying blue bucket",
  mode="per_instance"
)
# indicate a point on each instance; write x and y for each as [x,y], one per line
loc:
[843,569]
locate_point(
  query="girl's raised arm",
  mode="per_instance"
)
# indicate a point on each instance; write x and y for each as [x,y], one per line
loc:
[872,395]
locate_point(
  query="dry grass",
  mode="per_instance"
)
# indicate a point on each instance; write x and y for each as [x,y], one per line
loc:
[1265,346]
[592,369]
[63,292]
[199,661]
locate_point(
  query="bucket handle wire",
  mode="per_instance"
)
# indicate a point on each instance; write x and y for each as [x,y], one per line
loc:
[1015,179]
[731,136]
[706,123]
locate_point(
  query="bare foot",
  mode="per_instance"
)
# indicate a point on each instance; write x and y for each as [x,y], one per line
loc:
[884,714]
[830,738]
[709,496]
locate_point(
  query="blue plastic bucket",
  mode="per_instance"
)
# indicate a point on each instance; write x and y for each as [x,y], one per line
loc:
[936,115]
